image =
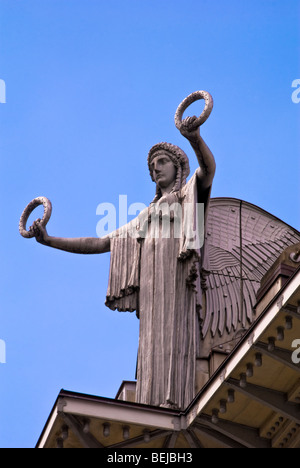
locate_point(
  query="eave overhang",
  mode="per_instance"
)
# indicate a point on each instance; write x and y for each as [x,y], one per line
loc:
[252,400]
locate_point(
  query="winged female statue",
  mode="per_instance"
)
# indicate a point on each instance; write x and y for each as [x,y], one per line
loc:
[187,293]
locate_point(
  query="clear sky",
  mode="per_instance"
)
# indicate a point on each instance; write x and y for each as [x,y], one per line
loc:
[91,85]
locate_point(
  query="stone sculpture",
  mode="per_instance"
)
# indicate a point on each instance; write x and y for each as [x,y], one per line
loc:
[158,276]
[192,275]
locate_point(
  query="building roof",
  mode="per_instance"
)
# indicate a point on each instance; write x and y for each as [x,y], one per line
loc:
[252,399]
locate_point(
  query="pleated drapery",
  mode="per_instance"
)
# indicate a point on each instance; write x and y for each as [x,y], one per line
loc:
[159,277]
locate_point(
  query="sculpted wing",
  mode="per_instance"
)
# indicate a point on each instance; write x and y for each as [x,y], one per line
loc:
[242,241]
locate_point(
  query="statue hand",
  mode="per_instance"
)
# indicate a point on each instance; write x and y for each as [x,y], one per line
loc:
[189,127]
[40,232]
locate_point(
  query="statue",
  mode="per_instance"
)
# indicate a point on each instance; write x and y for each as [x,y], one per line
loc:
[158,276]
[190,266]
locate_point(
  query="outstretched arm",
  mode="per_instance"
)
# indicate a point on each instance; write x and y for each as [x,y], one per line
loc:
[206,160]
[80,245]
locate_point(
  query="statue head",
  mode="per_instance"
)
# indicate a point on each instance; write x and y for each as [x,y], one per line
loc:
[179,160]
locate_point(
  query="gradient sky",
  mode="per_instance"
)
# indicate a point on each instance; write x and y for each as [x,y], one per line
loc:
[91,85]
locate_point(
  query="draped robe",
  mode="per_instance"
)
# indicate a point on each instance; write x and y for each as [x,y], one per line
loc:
[159,277]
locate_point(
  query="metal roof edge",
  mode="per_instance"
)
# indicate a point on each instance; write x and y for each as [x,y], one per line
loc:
[220,371]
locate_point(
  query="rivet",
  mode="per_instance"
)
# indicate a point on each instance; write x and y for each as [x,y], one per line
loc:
[280,333]
[271,343]
[288,322]
[243,380]
[106,429]
[214,417]
[126,430]
[230,396]
[223,406]
[249,371]
[258,360]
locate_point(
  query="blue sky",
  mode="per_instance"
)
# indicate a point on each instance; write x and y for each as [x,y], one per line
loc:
[91,85]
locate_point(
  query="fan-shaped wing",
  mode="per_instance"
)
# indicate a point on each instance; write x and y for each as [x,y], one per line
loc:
[243,241]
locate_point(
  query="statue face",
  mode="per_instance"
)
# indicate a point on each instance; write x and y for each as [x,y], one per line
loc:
[164,171]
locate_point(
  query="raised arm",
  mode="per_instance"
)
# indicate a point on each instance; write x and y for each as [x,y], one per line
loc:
[80,245]
[206,160]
